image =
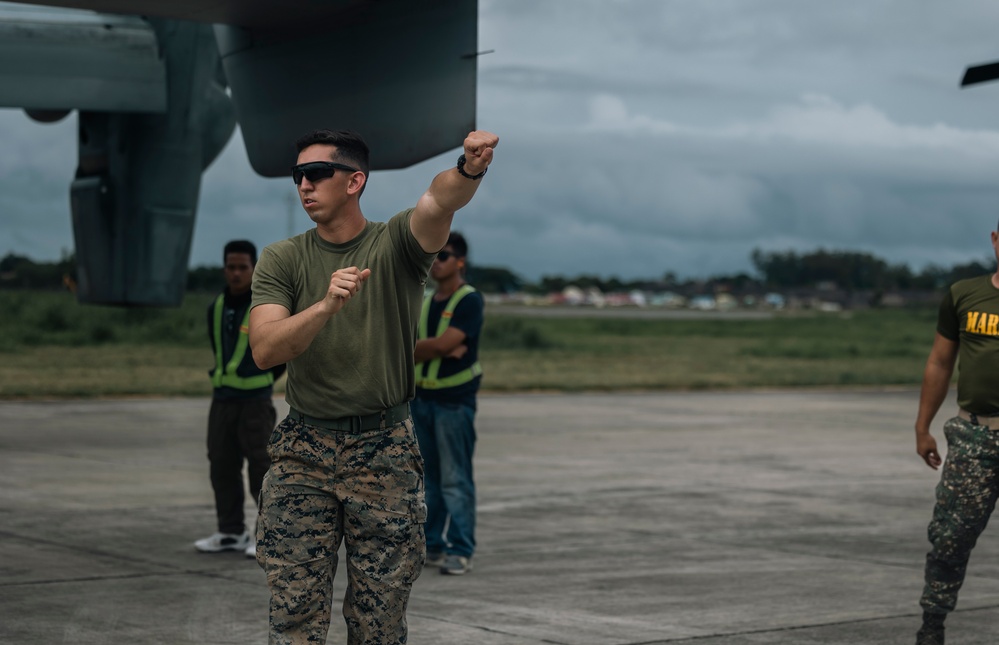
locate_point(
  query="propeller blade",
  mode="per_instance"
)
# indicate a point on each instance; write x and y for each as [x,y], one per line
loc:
[980,74]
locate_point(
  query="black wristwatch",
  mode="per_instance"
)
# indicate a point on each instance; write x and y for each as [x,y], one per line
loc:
[461,170]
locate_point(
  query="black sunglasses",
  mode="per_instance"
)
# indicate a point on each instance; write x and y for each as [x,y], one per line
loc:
[444,256]
[316,170]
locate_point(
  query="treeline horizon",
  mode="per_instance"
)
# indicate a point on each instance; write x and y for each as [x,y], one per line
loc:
[775,271]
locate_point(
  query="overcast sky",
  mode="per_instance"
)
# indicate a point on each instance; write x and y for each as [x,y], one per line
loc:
[640,137]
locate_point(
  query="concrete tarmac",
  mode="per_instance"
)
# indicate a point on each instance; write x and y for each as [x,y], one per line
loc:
[731,518]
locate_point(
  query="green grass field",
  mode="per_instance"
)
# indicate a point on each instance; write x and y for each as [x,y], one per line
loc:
[53,347]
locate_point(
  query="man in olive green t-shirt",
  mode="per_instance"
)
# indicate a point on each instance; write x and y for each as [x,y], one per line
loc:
[967,329]
[345,465]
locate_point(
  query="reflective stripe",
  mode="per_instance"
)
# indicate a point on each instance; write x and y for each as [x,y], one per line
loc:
[462,377]
[228,376]
[426,373]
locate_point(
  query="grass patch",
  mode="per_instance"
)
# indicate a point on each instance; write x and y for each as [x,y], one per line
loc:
[51,346]
[870,348]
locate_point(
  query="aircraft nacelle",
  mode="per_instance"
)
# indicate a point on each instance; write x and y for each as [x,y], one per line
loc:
[401,73]
[138,180]
[47,116]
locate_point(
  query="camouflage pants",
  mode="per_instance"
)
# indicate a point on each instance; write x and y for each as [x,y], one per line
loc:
[966,496]
[323,488]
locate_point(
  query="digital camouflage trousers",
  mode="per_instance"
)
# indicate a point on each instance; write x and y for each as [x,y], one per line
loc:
[325,488]
[966,496]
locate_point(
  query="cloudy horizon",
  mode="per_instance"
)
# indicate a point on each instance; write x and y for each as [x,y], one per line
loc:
[644,137]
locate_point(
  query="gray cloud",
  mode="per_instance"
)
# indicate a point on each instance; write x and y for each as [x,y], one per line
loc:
[653,136]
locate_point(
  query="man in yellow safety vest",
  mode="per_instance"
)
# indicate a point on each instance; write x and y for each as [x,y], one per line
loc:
[447,380]
[242,415]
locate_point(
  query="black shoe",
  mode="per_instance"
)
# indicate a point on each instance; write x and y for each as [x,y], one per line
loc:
[930,636]
[456,565]
[932,631]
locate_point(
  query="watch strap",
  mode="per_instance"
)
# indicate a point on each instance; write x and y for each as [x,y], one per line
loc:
[461,170]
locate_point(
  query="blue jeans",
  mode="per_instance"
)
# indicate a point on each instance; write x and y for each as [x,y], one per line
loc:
[446,434]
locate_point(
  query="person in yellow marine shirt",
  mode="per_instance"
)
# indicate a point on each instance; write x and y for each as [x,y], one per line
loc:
[968,331]
[242,415]
[448,375]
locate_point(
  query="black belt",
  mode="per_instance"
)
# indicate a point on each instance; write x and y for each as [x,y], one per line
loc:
[358,423]
[989,421]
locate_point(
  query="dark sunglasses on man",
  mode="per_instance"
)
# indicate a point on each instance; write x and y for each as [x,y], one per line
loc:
[316,170]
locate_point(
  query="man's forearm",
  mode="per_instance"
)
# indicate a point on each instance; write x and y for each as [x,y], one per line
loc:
[423,351]
[450,191]
[279,341]
[276,337]
[431,348]
[432,218]
[936,382]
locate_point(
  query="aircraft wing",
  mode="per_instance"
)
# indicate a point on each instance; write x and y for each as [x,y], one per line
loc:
[253,15]
[53,61]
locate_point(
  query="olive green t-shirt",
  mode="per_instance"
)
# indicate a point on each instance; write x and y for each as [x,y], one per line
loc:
[969,314]
[361,361]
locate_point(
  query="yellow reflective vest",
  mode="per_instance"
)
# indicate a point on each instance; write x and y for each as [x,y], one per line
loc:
[226,376]
[426,372]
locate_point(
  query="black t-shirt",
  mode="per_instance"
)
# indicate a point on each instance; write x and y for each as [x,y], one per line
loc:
[468,316]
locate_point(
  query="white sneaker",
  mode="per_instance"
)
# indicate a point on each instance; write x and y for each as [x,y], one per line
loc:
[251,550]
[223,542]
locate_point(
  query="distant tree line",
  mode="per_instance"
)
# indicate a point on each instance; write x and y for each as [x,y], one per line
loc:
[776,270]
[854,271]
[19,272]
[668,282]
[789,270]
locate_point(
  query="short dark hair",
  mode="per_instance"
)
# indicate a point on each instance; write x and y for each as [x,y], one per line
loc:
[350,147]
[458,244]
[240,246]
